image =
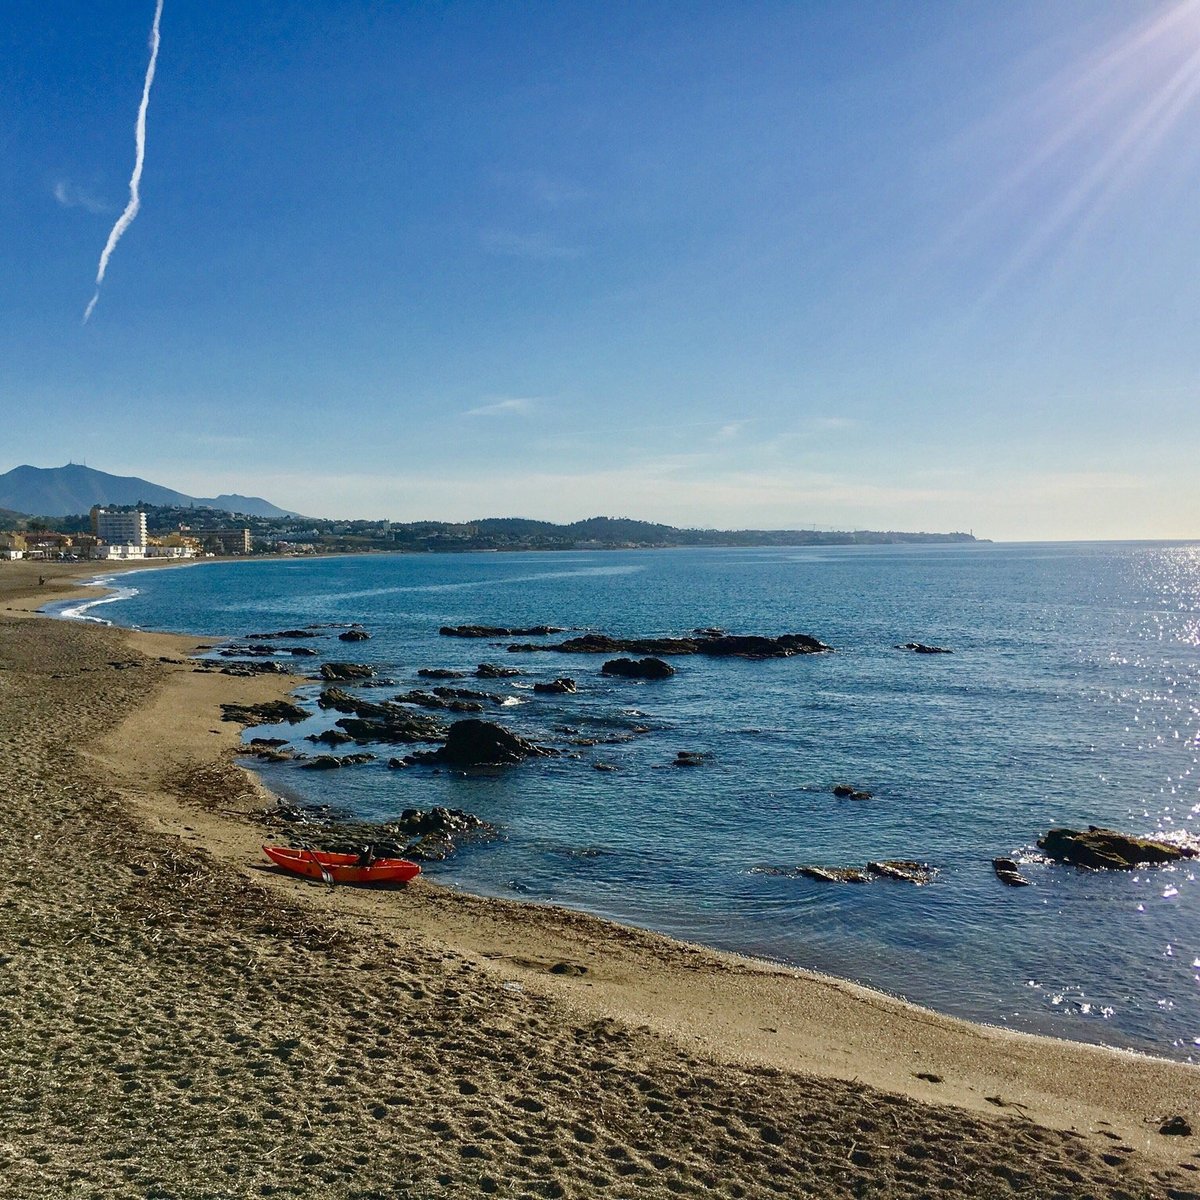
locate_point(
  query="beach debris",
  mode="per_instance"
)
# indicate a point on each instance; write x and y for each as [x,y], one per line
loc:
[921,648]
[486,631]
[726,646]
[474,743]
[1109,850]
[492,671]
[354,635]
[440,673]
[555,687]
[845,792]
[1008,872]
[331,762]
[271,712]
[928,1076]
[904,869]
[1175,1127]
[638,668]
[344,671]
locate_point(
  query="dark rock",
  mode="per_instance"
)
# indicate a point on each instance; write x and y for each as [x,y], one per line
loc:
[330,762]
[270,713]
[301,652]
[330,737]
[846,792]
[725,646]
[491,671]
[397,764]
[354,635]
[449,693]
[835,874]
[1008,872]
[272,742]
[429,700]
[640,668]
[1105,848]
[904,869]
[343,701]
[688,758]
[401,726]
[440,673]
[268,753]
[344,670]
[710,631]
[244,670]
[248,651]
[1176,1127]
[283,633]
[603,766]
[486,631]
[483,744]
[555,687]
[921,648]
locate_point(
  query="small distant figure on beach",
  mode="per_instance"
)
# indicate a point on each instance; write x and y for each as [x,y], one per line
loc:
[41,581]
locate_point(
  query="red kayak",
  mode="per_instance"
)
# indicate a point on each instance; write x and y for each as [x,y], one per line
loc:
[342,868]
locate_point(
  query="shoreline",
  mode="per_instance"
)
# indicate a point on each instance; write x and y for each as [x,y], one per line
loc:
[169,759]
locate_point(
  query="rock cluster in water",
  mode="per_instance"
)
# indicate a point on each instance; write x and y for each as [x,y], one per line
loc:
[344,671]
[903,869]
[492,631]
[272,712]
[921,648]
[724,646]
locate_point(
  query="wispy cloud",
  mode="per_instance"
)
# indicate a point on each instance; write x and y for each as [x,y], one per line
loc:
[69,195]
[728,431]
[543,247]
[135,180]
[514,406]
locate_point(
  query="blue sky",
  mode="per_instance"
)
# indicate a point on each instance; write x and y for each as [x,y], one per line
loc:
[742,264]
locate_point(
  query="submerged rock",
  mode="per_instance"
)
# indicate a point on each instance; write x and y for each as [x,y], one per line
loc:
[689,758]
[845,792]
[639,668]
[282,633]
[440,673]
[921,648]
[429,700]
[1107,849]
[354,635]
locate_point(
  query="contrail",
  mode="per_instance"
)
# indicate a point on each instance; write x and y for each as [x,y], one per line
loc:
[135,200]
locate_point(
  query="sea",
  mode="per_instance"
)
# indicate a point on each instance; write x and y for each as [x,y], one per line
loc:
[1071,697]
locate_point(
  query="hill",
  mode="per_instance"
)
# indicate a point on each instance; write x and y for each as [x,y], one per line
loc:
[59,491]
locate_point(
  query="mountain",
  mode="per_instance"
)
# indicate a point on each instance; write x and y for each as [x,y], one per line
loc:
[61,491]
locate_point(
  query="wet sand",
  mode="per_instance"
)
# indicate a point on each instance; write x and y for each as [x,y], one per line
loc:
[179,1020]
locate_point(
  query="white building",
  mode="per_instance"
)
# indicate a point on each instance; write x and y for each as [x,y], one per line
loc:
[120,528]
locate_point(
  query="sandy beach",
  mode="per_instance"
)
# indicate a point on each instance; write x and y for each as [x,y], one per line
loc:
[180,1020]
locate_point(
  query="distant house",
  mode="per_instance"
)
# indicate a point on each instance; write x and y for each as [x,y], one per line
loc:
[12,545]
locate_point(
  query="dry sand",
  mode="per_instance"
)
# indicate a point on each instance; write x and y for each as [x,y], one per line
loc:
[179,1020]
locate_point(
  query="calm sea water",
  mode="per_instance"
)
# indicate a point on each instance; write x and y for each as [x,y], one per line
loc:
[1072,696]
